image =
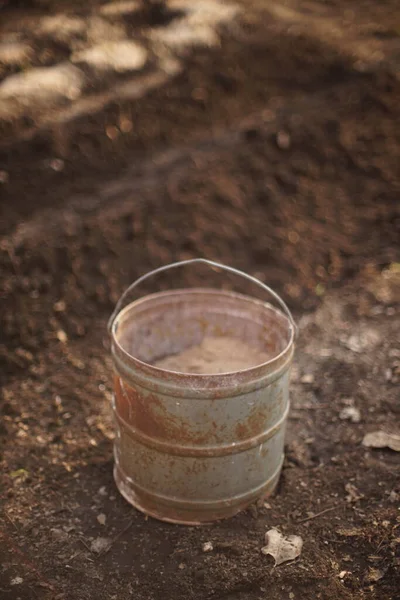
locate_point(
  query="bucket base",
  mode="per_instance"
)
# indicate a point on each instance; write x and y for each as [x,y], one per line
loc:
[191,513]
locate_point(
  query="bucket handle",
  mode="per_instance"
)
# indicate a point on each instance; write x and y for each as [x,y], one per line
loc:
[213,265]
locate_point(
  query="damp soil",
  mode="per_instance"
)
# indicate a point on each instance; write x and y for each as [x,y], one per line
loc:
[285,164]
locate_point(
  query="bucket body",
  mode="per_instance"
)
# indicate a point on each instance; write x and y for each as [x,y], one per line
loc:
[193,448]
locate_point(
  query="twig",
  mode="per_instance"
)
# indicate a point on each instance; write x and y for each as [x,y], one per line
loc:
[85,544]
[10,519]
[121,533]
[75,555]
[13,260]
[320,513]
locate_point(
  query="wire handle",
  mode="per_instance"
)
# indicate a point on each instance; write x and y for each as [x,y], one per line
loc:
[213,265]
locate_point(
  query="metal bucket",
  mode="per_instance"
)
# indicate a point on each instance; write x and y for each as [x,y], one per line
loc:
[194,448]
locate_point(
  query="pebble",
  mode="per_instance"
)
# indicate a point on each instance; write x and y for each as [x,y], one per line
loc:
[62,336]
[208,547]
[283,140]
[4,177]
[101,518]
[57,164]
[350,413]
[307,378]
[59,306]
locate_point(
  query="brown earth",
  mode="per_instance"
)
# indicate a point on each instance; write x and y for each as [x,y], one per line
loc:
[278,153]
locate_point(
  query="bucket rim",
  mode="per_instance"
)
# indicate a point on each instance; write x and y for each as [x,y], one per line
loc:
[203,377]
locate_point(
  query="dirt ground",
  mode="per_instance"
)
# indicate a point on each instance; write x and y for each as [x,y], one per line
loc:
[275,149]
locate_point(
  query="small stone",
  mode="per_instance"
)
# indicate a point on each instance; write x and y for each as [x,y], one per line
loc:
[112,132]
[350,413]
[4,177]
[283,140]
[181,566]
[103,491]
[307,378]
[59,306]
[342,574]
[208,547]
[57,164]
[62,336]
[17,581]
[267,505]
[101,518]
[125,125]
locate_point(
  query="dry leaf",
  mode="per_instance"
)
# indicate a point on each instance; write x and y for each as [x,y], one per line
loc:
[374,575]
[282,548]
[381,439]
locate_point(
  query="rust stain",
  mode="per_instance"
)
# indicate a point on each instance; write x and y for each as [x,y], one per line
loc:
[258,419]
[148,414]
[254,424]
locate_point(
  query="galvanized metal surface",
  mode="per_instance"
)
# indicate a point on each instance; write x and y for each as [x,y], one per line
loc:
[194,448]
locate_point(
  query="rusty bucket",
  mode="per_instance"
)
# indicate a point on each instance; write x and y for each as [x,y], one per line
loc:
[192,448]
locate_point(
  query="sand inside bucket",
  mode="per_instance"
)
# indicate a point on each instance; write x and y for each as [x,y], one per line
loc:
[214,355]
